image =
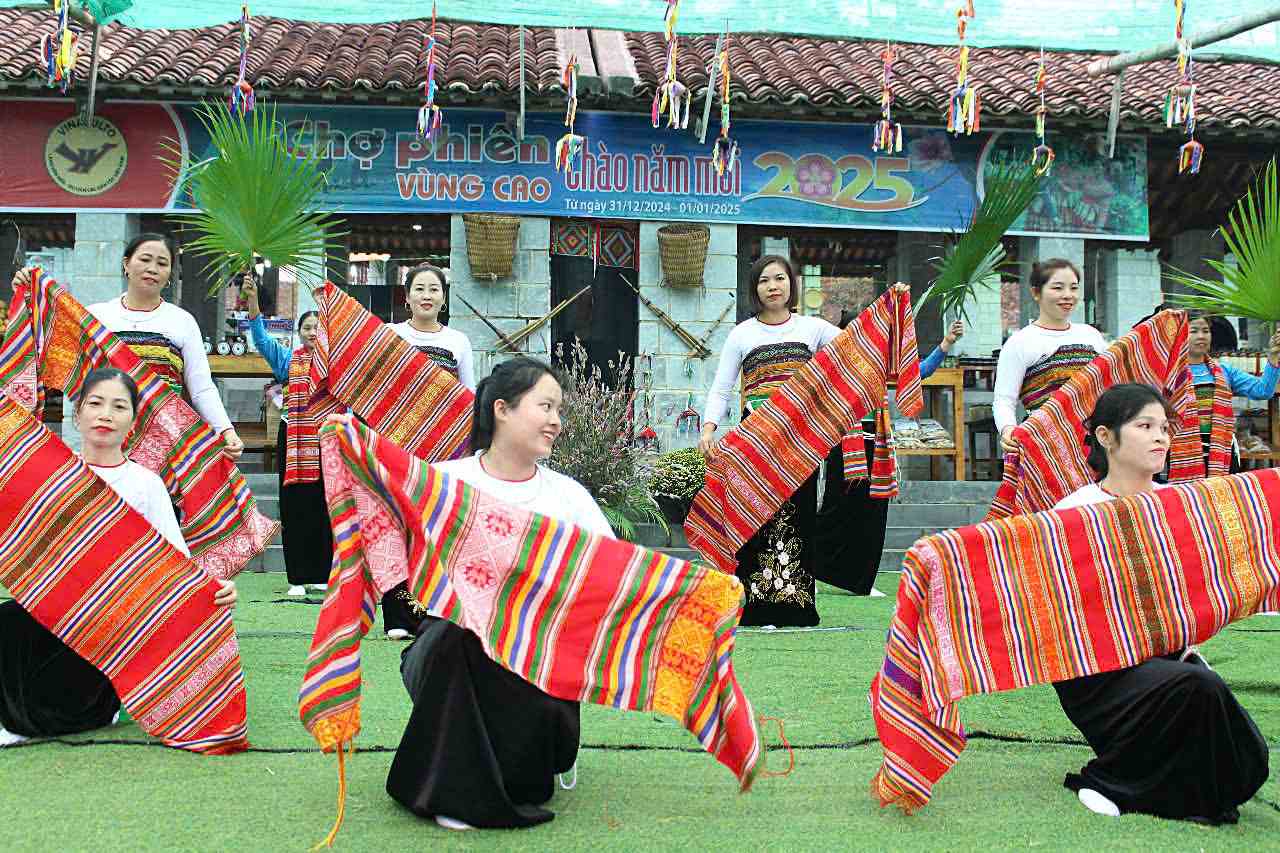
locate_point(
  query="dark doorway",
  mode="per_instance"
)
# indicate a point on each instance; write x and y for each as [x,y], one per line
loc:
[606,318]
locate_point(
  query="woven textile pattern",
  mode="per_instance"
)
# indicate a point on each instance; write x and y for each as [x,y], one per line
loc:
[307,412]
[97,575]
[159,354]
[762,462]
[1050,462]
[1217,419]
[393,387]
[52,341]
[1052,372]
[583,617]
[1056,595]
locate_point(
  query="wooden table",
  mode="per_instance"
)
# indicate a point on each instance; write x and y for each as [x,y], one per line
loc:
[944,379]
[248,366]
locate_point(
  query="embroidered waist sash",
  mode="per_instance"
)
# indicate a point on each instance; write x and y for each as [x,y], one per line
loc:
[97,575]
[52,341]
[1057,595]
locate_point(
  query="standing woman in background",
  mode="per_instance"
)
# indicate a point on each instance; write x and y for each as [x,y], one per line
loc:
[1038,359]
[163,335]
[304,514]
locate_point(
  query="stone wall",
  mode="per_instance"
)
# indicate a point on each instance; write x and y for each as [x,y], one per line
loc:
[1130,289]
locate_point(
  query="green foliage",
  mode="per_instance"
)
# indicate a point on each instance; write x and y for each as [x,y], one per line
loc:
[975,258]
[256,198]
[595,448]
[678,475]
[1250,287]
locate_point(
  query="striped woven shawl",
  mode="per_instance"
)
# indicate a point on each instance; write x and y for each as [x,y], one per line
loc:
[97,575]
[52,341]
[1215,410]
[1051,461]
[583,617]
[1057,595]
[762,462]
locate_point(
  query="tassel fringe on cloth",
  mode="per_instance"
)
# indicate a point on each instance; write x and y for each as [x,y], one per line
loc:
[96,574]
[583,617]
[764,460]
[1057,595]
[52,341]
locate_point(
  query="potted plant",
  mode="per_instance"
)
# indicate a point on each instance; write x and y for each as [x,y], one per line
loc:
[675,480]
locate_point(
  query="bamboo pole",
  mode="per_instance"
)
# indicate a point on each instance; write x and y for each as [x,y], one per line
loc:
[1220,32]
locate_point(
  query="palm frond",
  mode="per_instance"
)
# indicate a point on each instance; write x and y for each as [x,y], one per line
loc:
[255,197]
[975,258]
[1251,287]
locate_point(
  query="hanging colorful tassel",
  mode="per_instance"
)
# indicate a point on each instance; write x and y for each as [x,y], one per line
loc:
[887,134]
[1180,102]
[1042,155]
[724,153]
[670,17]
[569,150]
[241,99]
[671,97]
[569,79]
[965,108]
[1189,156]
[60,49]
[429,117]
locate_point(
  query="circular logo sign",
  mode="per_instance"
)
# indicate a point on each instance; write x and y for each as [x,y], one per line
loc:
[86,158]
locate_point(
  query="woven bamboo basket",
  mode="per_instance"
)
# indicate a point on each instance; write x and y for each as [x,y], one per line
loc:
[491,243]
[683,249]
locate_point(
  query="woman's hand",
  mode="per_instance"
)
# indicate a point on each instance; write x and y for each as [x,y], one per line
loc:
[707,441]
[1007,442]
[899,287]
[955,333]
[1273,351]
[22,278]
[226,596]
[232,445]
[249,293]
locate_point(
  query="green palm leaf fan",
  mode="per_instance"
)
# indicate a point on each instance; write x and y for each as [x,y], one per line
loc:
[255,197]
[975,258]
[1251,287]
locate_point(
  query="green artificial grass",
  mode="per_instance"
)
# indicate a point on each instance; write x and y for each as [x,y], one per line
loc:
[644,783]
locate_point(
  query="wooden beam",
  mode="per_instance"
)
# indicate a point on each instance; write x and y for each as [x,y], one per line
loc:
[1220,32]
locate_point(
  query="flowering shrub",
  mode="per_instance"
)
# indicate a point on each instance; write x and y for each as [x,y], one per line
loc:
[678,475]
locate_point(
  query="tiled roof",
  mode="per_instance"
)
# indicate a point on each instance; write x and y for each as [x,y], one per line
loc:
[773,75]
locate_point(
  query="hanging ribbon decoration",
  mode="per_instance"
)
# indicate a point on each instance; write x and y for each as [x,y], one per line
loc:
[672,96]
[1180,103]
[724,154]
[887,135]
[964,111]
[59,49]
[1042,156]
[569,147]
[241,99]
[429,114]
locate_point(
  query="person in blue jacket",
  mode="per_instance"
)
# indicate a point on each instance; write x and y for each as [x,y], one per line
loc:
[1211,378]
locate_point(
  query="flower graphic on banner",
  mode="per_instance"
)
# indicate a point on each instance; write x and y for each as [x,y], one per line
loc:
[929,152]
[816,176]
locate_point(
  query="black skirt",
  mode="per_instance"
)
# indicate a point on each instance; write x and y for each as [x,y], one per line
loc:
[776,565]
[46,689]
[304,526]
[848,537]
[483,745]
[1171,740]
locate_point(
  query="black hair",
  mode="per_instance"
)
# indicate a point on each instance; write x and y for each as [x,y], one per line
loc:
[149,236]
[753,281]
[303,318]
[509,382]
[1117,406]
[105,374]
[417,270]
[1043,271]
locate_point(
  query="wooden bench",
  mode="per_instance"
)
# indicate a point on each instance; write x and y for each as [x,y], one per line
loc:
[256,440]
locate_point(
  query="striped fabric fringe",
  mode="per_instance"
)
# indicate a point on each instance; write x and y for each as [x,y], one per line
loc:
[393,387]
[764,460]
[1051,460]
[1222,425]
[307,413]
[97,575]
[1057,595]
[884,464]
[583,617]
[52,341]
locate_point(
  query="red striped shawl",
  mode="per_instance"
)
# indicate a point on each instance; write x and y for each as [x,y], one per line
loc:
[1057,595]
[1222,424]
[1050,462]
[52,341]
[762,462]
[97,575]
[583,617]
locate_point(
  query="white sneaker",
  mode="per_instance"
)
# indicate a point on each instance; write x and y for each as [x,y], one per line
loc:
[115,719]
[448,822]
[318,587]
[297,591]
[8,738]
[875,593]
[402,634]
[1098,804]
[569,786]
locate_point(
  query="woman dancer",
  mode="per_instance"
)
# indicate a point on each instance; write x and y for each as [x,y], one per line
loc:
[1037,359]
[46,689]
[1169,736]
[483,746]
